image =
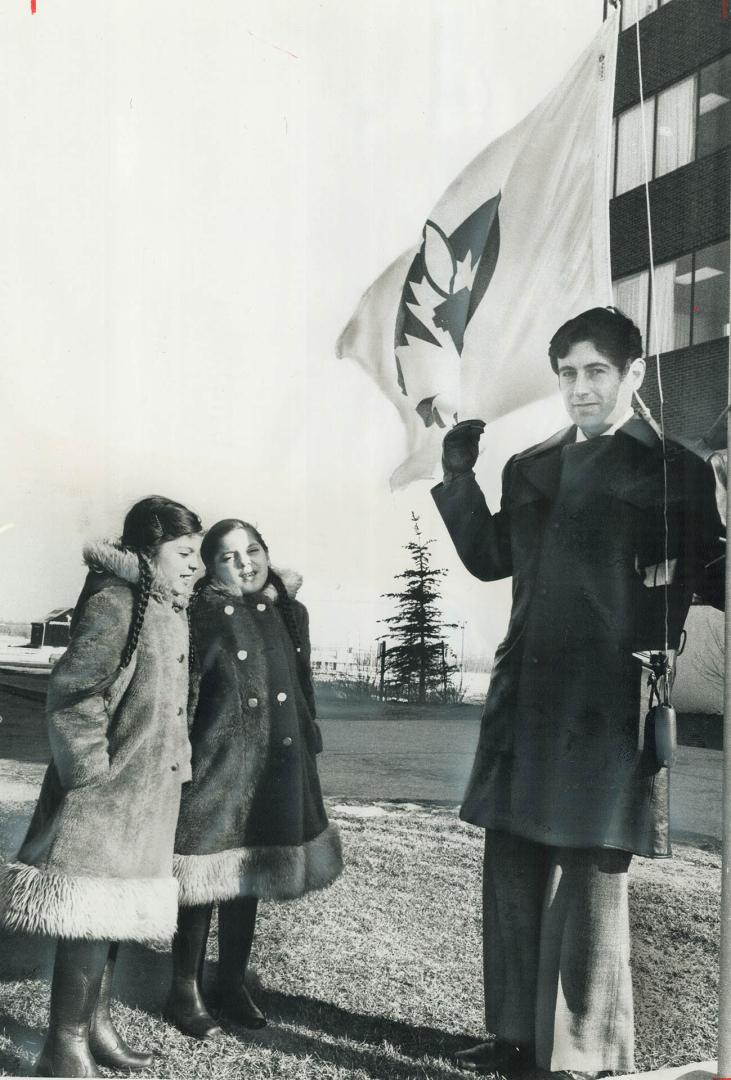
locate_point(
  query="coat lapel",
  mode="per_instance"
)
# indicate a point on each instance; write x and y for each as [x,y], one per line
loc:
[540,467]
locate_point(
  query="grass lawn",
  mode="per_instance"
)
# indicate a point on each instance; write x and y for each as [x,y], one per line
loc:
[380,976]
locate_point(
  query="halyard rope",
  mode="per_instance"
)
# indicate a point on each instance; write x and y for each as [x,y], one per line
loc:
[656,328]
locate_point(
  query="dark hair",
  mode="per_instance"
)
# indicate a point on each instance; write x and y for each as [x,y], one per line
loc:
[154,520]
[149,523]
[608,329]
[216,533]
[208,553]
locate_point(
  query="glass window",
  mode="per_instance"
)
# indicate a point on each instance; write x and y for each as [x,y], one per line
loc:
[630,160]
[673,288]
[714,106]
[675,139]
[631,295]
[711,293]
[632,8]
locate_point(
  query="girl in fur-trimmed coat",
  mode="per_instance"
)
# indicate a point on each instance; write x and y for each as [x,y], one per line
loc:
[252,822]
[96,865]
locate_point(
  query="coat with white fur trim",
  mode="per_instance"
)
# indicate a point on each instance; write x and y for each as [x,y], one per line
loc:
[97,859]
[252,821]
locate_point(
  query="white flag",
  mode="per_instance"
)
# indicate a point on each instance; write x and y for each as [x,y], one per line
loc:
[518,244]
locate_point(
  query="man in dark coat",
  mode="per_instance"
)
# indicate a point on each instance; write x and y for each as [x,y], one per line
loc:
[606,540]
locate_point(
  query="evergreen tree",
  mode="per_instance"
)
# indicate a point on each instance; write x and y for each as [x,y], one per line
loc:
[418,664]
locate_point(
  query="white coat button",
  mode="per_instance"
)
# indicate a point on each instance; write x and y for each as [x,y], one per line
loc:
[252,702]
[281,696]
[242,654]
[287,741]
[229,609]
[261,607]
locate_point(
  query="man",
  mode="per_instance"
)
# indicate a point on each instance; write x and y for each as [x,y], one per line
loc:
[565,782]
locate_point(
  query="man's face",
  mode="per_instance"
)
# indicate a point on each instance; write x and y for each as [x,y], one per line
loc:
[595,392]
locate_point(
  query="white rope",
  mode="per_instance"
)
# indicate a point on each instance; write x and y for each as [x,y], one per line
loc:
[655,325]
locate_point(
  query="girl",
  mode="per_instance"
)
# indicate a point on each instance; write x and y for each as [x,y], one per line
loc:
[96,864]
[252,823]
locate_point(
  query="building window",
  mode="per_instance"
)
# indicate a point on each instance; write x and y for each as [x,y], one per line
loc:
[688,120]
[673,290]
[710,312]
[631,295]
[675,135]
[630,167]
[631,9]
[714,107]
[691,299]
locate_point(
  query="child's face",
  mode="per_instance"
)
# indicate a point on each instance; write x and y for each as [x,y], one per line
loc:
[177,561]
[241,563]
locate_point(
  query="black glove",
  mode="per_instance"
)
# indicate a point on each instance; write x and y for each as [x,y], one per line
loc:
[460,448]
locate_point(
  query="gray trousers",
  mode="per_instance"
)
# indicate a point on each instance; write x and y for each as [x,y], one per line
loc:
[556,952]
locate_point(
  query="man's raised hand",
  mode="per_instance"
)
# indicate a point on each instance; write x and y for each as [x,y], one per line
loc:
[460,448]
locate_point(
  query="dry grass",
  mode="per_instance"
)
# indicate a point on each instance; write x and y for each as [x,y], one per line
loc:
[379,977]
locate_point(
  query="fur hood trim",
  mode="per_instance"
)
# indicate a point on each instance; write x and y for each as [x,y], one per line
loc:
[291,580]
[109,557]
[269,873]
[34,901]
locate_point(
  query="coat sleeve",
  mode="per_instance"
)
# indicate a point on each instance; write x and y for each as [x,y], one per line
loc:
[303,627]
[76,708]
[481,539]
[710,561]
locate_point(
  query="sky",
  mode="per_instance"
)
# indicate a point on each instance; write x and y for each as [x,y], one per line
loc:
[194,198]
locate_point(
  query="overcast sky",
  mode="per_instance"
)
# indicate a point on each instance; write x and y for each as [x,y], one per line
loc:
[195,196]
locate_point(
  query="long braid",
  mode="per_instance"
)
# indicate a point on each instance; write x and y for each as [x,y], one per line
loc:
[287,610]
[190,610]
[142,598]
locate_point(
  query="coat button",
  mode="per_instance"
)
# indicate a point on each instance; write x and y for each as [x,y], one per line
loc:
[287,741]
[252,702]
[281,696]
[242,654]
[534,659]
[174,768]
[261,607]
[181,658]
[229,609]
[180,710]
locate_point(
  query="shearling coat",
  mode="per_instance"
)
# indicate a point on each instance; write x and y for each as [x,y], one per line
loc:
[252,821]
[563,756]
[97,861]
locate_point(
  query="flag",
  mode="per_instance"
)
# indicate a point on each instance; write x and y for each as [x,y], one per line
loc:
[459,325]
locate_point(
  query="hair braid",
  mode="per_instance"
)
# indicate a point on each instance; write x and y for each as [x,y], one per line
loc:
[287,610]
[142,598]
[192,604]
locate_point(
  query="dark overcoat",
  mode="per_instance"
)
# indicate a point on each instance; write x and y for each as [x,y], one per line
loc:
[563,756]
[97,861]
[252,821]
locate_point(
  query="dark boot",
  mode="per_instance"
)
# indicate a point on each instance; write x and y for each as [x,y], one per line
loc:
[236,925]
[77,976]
[496,1055]
[185,1007]
[106,1044]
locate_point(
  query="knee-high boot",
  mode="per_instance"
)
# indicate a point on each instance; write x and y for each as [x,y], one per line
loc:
[185,1007]
[77,976]
[236,925]
[106,1044]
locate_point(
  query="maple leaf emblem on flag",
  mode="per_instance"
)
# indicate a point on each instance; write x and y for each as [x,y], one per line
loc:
[446,282]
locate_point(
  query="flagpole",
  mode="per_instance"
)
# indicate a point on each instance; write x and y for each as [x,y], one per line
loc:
[724,988]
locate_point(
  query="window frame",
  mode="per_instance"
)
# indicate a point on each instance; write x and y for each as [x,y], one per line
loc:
[695,75]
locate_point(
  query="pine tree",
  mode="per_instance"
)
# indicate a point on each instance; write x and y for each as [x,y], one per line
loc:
[417,663]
